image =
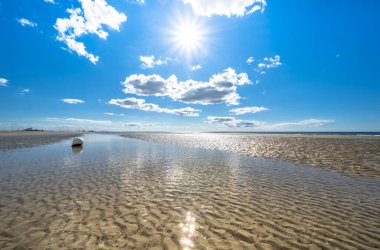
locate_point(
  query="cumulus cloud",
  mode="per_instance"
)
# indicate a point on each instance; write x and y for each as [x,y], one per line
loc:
[80,120]
[270,62]
[226,7]
[195,67]
[148,62]
[72,101]
[245,110]
[25,22]
[250,60]
[3,82]
[140,104]
[113,114]
[233,122]
[49,1]
[220,88]
[91,18]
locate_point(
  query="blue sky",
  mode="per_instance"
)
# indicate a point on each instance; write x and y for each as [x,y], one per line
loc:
[190,65]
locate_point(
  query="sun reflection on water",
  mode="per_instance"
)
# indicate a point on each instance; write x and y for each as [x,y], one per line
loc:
[188,229]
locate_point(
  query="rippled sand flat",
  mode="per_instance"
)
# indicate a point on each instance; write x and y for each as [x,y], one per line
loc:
[354,155]
[118,193]
[15,140]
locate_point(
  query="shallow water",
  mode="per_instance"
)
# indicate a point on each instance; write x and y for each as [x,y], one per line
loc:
[122,193]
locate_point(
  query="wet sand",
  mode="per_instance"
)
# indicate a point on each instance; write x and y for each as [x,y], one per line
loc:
[26,139]
[118,193]
[348,154]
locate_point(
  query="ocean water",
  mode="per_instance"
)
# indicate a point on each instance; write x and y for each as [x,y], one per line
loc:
[124,193]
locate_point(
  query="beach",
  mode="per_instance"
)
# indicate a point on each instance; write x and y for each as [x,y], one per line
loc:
[25,139]
[357,155]
[120,193]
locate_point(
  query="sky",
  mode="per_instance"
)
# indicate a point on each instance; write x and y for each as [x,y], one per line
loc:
[190,65]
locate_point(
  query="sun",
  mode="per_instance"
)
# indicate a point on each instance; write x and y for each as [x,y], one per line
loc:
[187,36]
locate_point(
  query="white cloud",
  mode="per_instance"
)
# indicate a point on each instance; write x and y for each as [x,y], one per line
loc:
[25,22]
[220,88]
[250,60]
[49,1]
[271,62]
[226,7]
[25,91]
[195,67]
[113,114]
[3,82]
[140,104]
[233,122]
[245,110]
[72,101]
[137,124]
[80,120]
[89,19]
[148,62]
[304,123]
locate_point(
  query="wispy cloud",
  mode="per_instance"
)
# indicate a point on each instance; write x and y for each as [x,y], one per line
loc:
[308,123]
[140,104]
[24,91]
[3,82]
[226,7]
[137,124]
[195,67]
[250,60]
[246,110]
[113,114]
[79,120]
[220,88]
[148,62]
[72,101]
[49,1]
[89,19]
[233,122]
[25,22]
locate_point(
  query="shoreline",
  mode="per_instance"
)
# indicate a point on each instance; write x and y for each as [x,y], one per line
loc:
[14,140]
[346,154]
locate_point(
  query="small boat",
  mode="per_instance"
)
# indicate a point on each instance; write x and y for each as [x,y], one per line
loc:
[77,142]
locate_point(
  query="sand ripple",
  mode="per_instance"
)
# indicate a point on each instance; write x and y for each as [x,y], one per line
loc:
[353,155]
[128,194]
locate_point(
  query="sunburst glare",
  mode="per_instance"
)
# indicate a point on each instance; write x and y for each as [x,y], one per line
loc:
[188,36]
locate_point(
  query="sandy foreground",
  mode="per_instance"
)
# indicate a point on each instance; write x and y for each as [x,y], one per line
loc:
[118,193]
[348,154]
[26,139]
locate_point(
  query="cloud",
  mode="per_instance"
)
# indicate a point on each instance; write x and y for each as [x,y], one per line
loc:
[80,120]
[220,88]
[3,82]
[25,91]
[271,62]
[195,67]
[226,7]
[113,114]
[89,19]
[72,101]
[304,123]
[245,110]
[140,104]
[49,1]
[250,60]
[137,124]
[148,62]
[233,122]
[25,22]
